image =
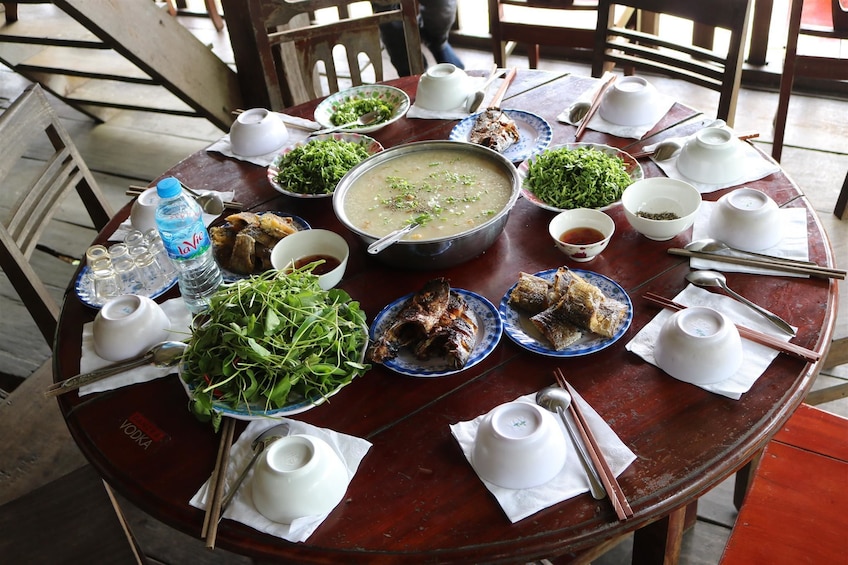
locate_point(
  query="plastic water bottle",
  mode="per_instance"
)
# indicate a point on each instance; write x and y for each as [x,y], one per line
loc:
[179,220]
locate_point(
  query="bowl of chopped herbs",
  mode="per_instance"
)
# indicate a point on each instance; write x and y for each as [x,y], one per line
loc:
[578,175]
[348,105]
[313,167]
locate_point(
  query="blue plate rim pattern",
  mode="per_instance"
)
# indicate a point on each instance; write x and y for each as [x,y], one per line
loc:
[513,329]
[488,336]
[524,121]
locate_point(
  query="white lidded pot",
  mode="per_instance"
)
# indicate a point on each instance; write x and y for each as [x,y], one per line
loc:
[298,476]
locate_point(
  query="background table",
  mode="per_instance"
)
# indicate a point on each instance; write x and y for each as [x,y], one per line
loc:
[415,498]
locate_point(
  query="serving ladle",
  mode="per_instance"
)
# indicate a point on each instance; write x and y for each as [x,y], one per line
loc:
[716,279]
[260,443]
[364,120]
[558,400]
[163,354]
[391,238]
[709,245]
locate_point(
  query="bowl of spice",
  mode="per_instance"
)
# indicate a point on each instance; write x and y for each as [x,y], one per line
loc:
[661,208]
[581,233]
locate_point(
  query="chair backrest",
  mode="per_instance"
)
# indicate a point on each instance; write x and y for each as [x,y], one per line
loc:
[26,123]
[822,19]
[568,24]
[712,68]
[279,25]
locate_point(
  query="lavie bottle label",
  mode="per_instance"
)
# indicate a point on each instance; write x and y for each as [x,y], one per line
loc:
[188,247]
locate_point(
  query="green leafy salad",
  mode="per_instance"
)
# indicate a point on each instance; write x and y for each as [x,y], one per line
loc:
[351,110]
[581,177]
[272,340]
[318,166]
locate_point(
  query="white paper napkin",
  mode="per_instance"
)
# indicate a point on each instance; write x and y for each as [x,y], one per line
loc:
[792,246]
[126,226]
[351,449]
[598,123]
[180,318]
[459,112]
[756,357]
[756,167]
[295,134]
[571,481]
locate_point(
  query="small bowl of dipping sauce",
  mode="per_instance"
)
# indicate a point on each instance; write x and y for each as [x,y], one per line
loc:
[581,233]
[325,249]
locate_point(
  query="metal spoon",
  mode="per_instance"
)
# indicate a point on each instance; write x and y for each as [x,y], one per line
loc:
[211,202]
[475,99]
[716,279]
[578,111]
[709,245]
[391,238]
[259,444]
[557,400]
[164,354]
[364,120]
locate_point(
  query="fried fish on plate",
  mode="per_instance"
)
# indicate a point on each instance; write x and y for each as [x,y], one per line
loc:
[494,129]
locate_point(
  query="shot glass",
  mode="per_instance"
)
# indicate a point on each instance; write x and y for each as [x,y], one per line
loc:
[149,272]
[128,279]
[133,238]
[104,283]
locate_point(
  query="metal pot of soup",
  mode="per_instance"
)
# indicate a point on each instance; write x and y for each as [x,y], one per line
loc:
[460,194]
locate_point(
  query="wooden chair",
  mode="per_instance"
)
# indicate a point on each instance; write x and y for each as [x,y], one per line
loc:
[533,23]
[179,6]
[645,50]
[824,22]
[290,46]
[73,518]
[794,511]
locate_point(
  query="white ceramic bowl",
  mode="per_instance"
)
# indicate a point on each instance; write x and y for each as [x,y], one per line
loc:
[298,476]
[442,87]
[699,345]
[257,132]
[648,201]
[746,219]
[581,233]
[518,445]
[127,326]
[143,210]
[303,247]
[630,101]
[711,156]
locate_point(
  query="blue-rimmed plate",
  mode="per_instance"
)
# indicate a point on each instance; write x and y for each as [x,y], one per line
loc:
[231,276]
[394,97]
[535,134]
[520,329]
[489,330]
[631,165]
[84,287]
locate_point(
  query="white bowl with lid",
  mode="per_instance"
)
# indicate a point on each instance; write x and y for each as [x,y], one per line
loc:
[712,156]
[257,132]
[630,101]
[128,326]
[747,219]
[518,445]
[442,87]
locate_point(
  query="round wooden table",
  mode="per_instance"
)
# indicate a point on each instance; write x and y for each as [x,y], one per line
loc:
[415,498]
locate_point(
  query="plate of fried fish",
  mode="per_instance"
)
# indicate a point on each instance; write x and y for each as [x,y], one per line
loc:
[565,312]
[435,332]
[534,133]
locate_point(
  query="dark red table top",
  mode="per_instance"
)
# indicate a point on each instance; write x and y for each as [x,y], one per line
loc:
[415,498]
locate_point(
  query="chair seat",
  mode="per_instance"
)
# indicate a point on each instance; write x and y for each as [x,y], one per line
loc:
[795,510]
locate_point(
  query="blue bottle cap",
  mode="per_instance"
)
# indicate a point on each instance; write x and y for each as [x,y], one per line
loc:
[168,187]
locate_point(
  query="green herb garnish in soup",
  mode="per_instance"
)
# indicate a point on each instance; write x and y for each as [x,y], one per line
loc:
[447,192]
[318,166]
[350,111]
[583,177]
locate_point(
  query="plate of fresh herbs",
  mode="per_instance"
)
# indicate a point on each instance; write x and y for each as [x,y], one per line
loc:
[313,167]
[347,105]
[578,175]
[273,345]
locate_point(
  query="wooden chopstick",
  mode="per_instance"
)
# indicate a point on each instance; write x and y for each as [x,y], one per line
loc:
[777,265]
[498,98]
[747,333]
[614,491]
[593,107]
[642,154]
[215,491]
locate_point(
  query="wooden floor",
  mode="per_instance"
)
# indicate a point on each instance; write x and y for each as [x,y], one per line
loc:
[133,148]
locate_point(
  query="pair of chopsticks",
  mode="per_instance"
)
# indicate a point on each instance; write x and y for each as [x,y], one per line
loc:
[215,492]
[777,264]
[134,190]
[747,333]
[642,154]
[499,94]
[594,105]
[614,491]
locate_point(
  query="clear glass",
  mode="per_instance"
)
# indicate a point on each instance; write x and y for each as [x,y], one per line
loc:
[94,253]
[133,238]
[128,279]
[104,283]
[149,272]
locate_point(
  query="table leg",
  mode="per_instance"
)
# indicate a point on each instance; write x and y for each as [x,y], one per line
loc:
[659,543]
[760,25]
